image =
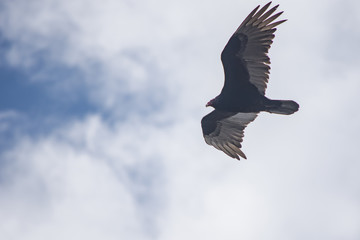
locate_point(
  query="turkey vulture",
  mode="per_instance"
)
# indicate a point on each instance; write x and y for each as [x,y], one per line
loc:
[246,67]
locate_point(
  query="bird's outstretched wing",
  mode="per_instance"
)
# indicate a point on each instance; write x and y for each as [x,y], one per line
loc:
[245,56]
[225,131]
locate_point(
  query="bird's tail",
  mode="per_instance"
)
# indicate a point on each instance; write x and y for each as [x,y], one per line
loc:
[286,107]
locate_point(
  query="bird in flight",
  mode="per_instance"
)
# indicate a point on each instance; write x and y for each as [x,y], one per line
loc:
[246,66]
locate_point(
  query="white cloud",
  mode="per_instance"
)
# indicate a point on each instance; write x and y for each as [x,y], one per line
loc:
[152,176]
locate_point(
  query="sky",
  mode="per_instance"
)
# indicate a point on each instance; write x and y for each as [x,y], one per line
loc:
[100,109]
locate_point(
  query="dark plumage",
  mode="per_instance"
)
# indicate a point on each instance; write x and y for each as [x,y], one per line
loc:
[246,67]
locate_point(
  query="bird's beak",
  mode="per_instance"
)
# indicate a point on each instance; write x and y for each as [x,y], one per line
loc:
[207,105]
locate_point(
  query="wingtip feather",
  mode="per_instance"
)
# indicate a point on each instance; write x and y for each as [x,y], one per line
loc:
[243,154]
[248,18]
[258,14]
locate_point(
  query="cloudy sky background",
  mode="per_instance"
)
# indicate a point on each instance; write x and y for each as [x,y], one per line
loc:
[100,108]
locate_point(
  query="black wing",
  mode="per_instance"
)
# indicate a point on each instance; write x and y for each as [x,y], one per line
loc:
[225,131]
[245,56]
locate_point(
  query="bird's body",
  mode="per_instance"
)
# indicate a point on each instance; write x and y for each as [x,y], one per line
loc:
[246,68]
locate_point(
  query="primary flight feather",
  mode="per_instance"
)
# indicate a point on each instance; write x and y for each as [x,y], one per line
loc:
[246,67]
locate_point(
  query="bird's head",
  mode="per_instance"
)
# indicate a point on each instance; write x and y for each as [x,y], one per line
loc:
[212,102]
